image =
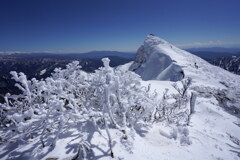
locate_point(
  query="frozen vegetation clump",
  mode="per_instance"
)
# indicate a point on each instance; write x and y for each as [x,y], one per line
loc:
[109,99]
[175,108]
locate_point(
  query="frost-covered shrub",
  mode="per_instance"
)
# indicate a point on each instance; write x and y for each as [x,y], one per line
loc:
[120,96]
[174,108]
[108,98]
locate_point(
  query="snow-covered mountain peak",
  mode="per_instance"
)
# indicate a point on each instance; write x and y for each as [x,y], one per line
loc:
[157,59]
[154,40]
[154,61]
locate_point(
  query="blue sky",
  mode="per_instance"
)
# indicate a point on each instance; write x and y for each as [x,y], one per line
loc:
[85,25]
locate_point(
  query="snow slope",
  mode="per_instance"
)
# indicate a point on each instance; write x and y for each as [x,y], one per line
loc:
[210,133]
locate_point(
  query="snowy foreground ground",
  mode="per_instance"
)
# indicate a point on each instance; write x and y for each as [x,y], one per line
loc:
[213,130]
[209,133]
[209,130]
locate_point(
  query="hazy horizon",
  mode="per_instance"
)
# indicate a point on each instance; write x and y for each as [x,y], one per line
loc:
[130,51]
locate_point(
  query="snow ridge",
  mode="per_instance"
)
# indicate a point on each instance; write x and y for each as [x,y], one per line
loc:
[157,59]
[152,62]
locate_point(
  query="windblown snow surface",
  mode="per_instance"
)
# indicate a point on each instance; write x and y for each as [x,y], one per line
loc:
[214,128]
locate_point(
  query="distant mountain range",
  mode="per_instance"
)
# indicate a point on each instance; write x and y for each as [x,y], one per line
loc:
[205,53]
[214,52]
[214,49]
[87,55]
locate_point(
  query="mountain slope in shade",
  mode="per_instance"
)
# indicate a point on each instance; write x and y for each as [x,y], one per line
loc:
[231,64]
